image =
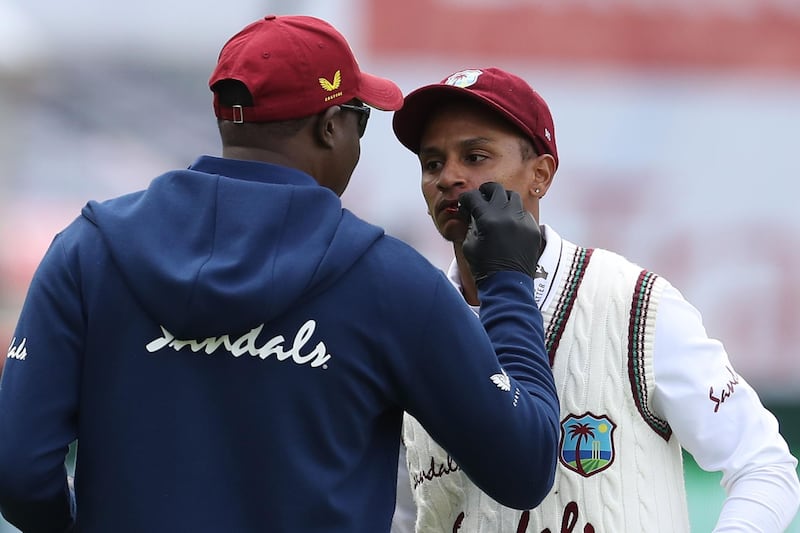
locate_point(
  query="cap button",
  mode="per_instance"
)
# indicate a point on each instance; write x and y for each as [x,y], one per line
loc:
[270,17]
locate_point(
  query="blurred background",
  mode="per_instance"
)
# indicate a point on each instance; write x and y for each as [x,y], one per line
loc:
[676,124]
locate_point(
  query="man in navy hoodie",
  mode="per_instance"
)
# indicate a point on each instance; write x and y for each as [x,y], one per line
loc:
[233,351]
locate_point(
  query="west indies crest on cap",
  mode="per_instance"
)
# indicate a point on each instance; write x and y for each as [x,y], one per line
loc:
[506,93]
[293,67]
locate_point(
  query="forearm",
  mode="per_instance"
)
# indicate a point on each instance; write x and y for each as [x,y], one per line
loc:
[514,325]
[761,502]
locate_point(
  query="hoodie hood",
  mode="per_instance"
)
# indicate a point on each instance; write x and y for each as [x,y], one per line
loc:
[226,245]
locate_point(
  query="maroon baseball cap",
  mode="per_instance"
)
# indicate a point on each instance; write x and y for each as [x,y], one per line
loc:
[501,91]
[294,67]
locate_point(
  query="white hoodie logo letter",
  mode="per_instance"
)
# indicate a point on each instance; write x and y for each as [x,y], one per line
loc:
[17,352]
[246,344]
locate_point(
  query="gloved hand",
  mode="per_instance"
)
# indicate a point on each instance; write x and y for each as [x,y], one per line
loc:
[501,234]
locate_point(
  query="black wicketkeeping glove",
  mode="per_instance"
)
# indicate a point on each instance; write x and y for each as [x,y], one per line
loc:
[501,235]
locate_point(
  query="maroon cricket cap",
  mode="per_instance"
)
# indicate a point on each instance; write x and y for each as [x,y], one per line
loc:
[294,67]
[509,95]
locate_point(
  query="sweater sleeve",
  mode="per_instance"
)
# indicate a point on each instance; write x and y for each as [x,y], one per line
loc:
[483,389]
[38,400]
[719,418]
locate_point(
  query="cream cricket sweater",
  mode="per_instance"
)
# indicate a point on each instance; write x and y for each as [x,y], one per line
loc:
[619,468]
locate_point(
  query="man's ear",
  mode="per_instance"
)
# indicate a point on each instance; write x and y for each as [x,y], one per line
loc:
[543,168]
[325,131]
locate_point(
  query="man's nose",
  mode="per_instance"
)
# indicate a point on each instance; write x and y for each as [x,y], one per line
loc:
[452,176]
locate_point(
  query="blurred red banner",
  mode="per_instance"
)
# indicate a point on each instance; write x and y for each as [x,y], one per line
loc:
[730,35]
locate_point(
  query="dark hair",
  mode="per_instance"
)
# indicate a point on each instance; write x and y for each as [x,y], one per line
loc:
[526,148]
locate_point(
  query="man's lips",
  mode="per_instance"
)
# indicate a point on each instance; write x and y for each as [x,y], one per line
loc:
[449,207]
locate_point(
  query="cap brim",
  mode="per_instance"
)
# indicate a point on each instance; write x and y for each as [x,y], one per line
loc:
[418,106]
[380,93]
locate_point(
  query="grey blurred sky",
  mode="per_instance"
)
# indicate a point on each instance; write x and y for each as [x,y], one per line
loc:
[166,30]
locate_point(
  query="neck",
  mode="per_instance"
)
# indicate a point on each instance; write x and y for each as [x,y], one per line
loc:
[258,154]
[468,287]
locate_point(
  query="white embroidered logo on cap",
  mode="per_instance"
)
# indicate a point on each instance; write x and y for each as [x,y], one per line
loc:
[547,134]
[464,78]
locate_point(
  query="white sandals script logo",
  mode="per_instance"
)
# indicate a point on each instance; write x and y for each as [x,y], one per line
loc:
[246,344]
[17,352]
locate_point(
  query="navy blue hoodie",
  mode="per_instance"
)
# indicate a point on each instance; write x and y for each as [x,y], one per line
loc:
[233,352]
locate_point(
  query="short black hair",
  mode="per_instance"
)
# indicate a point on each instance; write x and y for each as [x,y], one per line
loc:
[526,148]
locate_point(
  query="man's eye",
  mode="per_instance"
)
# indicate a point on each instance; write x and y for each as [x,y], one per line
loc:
[474,158]
[431,166]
